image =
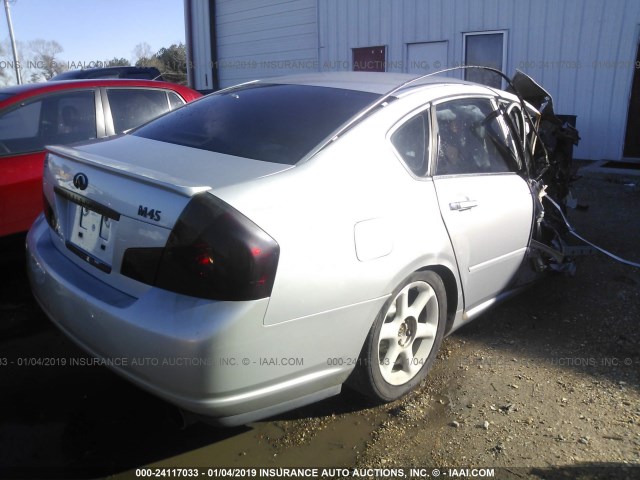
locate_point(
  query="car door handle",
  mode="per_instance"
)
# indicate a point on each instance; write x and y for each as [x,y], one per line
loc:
[463,205]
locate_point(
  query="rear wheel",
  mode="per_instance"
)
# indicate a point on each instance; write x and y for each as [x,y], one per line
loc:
[404,339]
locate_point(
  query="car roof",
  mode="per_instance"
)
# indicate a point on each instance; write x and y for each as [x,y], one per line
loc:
[85,73]
[384,82]
[19,92]
[373,82]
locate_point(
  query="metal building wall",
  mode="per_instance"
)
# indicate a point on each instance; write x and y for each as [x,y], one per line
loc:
[200,45]
[582,51]
[259,38]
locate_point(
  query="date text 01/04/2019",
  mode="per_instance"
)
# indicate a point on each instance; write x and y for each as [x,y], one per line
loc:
[288,472]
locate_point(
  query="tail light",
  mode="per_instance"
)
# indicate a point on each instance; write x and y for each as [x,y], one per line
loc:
[213,252]
[47,208]
[50,214]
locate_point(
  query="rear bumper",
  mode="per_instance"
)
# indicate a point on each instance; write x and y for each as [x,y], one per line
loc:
[213,358]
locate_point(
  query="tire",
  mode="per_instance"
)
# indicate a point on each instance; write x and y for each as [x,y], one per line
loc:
[404,339]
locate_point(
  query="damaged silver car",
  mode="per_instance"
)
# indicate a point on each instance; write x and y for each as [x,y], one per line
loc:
[257,249]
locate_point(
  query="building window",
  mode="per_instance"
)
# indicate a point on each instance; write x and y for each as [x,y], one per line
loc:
[369,59]
[488,49]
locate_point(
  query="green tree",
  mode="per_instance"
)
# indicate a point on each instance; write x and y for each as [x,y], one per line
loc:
[174,63]
[118,62]
[171,61]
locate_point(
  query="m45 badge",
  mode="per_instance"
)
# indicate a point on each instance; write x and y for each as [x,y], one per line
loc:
[152,214]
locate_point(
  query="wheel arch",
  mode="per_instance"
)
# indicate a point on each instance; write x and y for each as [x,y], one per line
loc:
[451,288]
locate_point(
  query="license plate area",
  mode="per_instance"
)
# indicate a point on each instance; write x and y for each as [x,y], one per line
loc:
[92,230]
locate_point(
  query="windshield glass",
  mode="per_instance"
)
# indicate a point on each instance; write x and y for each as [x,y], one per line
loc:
[274,123]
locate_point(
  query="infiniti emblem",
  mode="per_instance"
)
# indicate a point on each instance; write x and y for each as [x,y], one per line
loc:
[80,181]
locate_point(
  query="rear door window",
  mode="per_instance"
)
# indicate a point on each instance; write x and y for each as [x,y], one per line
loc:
[75,116]
[131,107]
[472,138]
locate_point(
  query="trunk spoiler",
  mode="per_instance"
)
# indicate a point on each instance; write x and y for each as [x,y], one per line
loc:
[141,174]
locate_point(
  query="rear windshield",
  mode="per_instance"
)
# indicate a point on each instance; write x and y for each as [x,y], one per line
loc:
[274,123]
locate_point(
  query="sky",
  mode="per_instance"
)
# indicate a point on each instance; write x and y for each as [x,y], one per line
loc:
[94,30]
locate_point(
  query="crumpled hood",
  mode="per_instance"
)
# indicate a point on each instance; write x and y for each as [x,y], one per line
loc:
[533,93]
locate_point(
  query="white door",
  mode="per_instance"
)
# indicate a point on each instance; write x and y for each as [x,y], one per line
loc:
[426,57]
[486,206]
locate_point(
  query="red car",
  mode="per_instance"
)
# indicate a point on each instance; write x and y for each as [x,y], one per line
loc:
[39,114]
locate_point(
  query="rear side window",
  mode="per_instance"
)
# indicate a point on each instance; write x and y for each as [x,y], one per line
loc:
[411,141]
[274,123]
[60,118]
[131,107]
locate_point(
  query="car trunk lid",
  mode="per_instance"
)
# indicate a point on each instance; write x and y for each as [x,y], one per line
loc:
[104,198]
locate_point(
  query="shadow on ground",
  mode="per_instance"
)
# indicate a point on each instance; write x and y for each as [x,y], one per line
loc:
[72,420]
[77,421]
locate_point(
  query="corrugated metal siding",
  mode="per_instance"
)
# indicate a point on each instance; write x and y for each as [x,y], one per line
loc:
[581,51]
[201,45]
[259,39]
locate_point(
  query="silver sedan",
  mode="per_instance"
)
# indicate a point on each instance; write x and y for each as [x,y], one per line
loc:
[257,249]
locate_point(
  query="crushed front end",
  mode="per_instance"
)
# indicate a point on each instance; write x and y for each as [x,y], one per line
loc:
[549,151]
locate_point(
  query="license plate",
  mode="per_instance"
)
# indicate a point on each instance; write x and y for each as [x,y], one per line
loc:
[91,237]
